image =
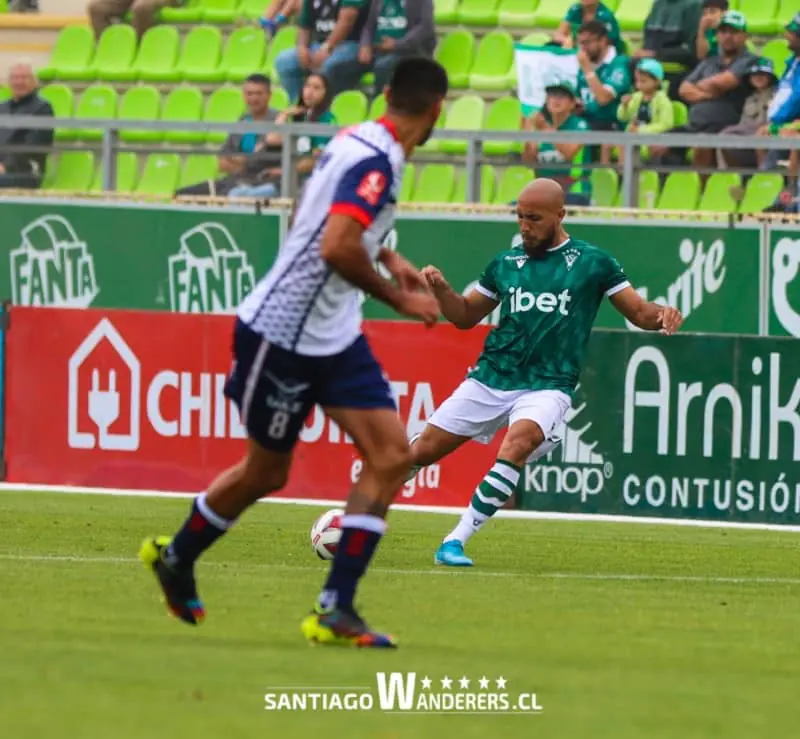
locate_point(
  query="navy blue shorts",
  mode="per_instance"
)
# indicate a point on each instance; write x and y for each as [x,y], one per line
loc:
[276,389]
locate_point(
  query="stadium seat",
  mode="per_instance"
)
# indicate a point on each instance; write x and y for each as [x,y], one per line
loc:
[445,12]
[116,49]
[760,16]
[649,188]
[286,38]
[191,12]
[605,185]
[160,175]
[244,53]
[680,113]
[511,183]
[717,196]
[157,56]
[761,191]
[224,105]
[503,115]
[198,168]
[5,93]
[251,9]
[377,108]
[436,184]
[493,60]
[537,38]
[681,192]
[350,107]
[219,11]
[97,101]
[478,12]
[62,101]
[127,172]
[72,55]
[73,172]
[517,13]
[140,103]
[279,99]
[778,52]
[551,12]
[465,114]
[631,14]
[200,55]
[184,103]
[488,185]
[455,53]
[407,186]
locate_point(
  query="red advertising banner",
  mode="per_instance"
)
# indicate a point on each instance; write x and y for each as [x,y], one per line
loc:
[135,400]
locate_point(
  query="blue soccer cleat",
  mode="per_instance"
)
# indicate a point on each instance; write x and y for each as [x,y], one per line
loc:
[451,554]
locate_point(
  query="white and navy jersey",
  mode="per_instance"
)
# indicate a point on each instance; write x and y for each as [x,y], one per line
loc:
[301,305]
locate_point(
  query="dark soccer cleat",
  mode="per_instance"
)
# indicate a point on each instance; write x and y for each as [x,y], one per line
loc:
[180,591]
[337,627]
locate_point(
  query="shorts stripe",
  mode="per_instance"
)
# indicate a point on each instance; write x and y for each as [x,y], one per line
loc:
[252,379]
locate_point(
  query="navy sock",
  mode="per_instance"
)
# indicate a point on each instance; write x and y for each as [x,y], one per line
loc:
[198,533]
[361,534]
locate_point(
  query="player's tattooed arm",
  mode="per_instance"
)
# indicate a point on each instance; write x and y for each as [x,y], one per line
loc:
[645,315]
[463,311]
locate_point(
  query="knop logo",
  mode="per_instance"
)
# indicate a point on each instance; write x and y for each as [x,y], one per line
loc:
[103,392]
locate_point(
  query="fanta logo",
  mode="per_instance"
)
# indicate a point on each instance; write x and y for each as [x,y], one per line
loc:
[522,301]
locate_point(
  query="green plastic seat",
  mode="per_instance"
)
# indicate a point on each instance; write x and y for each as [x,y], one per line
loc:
[350,107]
[436,184]
[649,190]
[200,55]
[73,172]
[681,192]
[116,50]
[251,9]
[160,175]
[537,38]
[279,99]
[157,55]
[198,168]
[478,12]
[605,186]
[377,108]
[455,53]
[62,101]
[778,52]
[286,38]
[72,55]
[184,103]
[465,114]
[488,185]
[761,191]
[493,60]
[220,11]
[224,105]
[141,103]
[680,113]
[97,101]
[407,185]
[5,93]
[551,12]
[127,173]
[511,182]
[762,16]
[191,12]
[504,115]
[716,196]
[631,14]
[244,53]
[445,11]
[517,13]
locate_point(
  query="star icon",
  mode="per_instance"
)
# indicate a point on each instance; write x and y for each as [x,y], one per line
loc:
[464,682]
[501,682]
[484,682]
[426,682]
[446,682]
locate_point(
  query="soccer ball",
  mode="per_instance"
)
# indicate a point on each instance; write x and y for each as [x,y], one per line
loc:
[326,532]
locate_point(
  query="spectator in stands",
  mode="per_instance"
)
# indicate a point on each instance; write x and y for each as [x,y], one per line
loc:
[327,41]
[670,36]
[582,12]
[23,169]
[278,13]
[247,159]
[604,76]
[706,43]
[558,114]
[715,90]
[394,29]
[754,115]
[24,6]
[103,13]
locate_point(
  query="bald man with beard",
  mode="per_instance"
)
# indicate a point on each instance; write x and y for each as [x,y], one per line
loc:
[549,288]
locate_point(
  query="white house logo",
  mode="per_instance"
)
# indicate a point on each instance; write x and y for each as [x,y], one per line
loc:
[210,273]
[52,266]
[785,267]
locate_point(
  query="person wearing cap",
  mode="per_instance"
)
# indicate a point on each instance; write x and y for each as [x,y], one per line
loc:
[649,109]
[558,114]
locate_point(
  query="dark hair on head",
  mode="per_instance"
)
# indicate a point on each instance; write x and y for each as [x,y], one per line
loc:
[313,114]
[721,4]
[260,79]
[418,83]
[595,27]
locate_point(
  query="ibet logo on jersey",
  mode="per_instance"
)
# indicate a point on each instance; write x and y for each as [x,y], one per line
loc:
[411,693]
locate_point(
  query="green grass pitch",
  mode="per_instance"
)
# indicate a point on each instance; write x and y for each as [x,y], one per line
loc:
[621,630]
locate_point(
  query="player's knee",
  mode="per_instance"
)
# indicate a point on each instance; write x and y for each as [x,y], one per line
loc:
[518,450]
[260,480]
[392,462]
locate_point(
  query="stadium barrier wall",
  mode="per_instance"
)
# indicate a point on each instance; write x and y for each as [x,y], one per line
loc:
[3,322]
[690,426]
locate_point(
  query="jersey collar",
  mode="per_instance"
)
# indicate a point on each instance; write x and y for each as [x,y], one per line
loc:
[562,244]
[389,126]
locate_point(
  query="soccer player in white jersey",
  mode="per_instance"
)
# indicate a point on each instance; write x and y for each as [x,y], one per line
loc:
[298,342]
[550,289]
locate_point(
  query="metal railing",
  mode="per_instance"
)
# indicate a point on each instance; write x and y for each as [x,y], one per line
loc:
[628,143]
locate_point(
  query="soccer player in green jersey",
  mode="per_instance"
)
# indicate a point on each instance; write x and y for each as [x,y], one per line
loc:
[550,289]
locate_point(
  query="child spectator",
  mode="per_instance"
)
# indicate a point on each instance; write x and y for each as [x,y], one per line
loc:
[582,12]
[707,45]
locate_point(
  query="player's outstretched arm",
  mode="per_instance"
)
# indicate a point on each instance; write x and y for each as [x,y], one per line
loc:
[645,315]
[463,311]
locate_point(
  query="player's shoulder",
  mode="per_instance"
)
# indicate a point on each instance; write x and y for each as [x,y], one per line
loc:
[372,138]
[587,249]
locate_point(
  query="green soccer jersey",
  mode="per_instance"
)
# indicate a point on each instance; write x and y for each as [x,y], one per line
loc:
[603,14]
[392,20]
[614,74]
[711,40]
[548,306]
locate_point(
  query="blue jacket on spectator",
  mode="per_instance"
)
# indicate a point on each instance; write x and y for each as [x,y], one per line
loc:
[785,106]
